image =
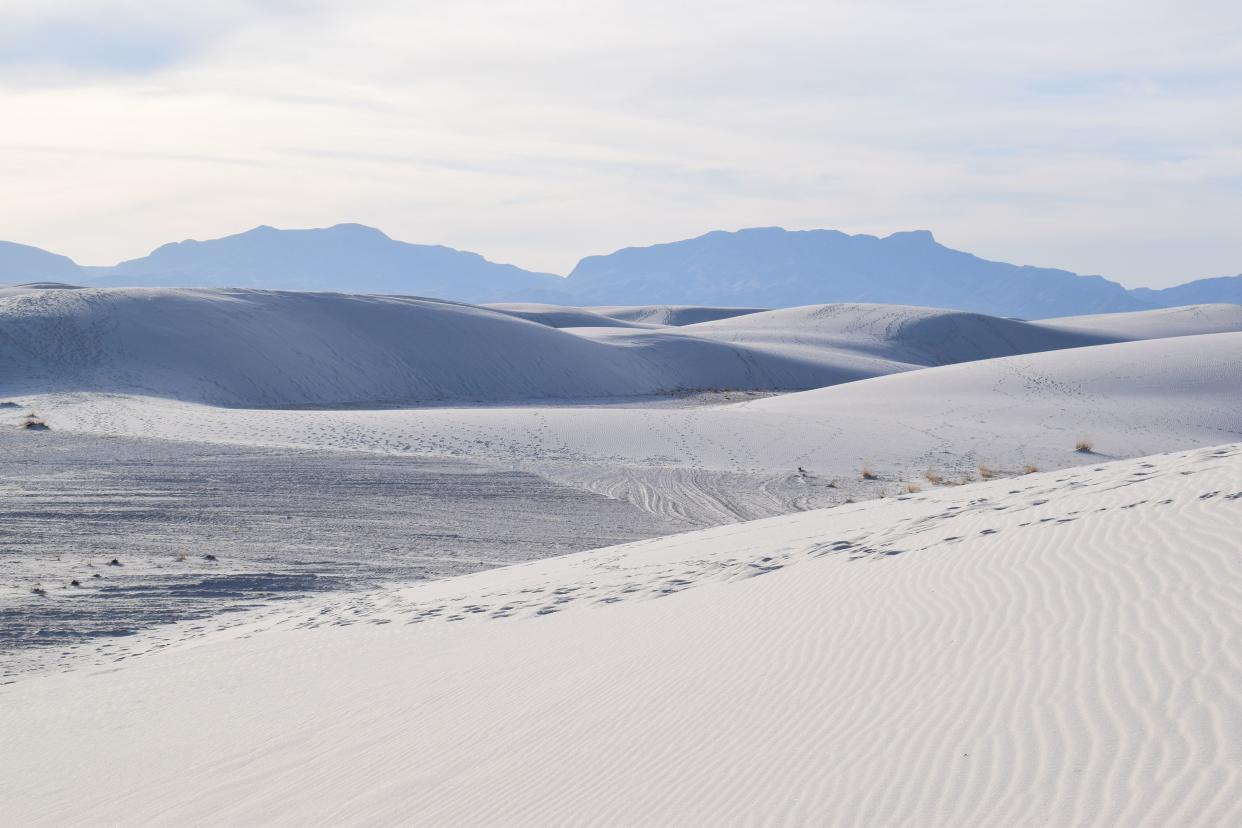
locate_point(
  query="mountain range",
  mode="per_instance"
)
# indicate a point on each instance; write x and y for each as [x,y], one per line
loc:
[759,267]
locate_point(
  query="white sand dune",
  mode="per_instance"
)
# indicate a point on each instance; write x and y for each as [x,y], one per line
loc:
[675,315]
[33,287]
[712,464]
[267,348]
[240,347]
[899,333]
[1055,650]
[562,316]
[1047,649]
[1183,321]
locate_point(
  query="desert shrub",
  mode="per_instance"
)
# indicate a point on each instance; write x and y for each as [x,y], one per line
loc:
[1084,446]
[1029,469]
[868,474]
[985,473]
[913,488]
[932,477]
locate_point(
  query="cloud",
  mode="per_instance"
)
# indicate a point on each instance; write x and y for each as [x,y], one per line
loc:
[1101,137]
[58,42]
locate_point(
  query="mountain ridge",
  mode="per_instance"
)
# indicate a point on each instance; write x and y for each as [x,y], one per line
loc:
[753,267]
[773,267]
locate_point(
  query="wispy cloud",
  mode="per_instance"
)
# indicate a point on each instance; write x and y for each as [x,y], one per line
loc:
[1103,137]
[60,41]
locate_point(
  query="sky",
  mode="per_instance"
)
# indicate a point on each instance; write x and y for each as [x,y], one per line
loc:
[1102,137]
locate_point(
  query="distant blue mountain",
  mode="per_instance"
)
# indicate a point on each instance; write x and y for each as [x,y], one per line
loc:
[759,267]
[1226,289]
[347,257]
[772,267]
[22,263]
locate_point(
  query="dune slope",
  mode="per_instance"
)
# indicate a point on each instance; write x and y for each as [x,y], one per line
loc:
[239,347]
[561,316]
[1051,651]
[670,314]
[1189,320]
[753,459]
[912,335]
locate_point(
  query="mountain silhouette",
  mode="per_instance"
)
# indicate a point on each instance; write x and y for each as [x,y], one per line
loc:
[757,267]
[23,263]
[772,267]
[349,258]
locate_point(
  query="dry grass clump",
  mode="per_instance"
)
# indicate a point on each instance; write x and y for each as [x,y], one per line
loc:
[933,477]
[1084,446]
[1029,469]
[868,474]
[913,488]
[985,473]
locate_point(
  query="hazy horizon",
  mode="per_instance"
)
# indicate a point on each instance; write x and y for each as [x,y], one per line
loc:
[1102,140]
[108,264]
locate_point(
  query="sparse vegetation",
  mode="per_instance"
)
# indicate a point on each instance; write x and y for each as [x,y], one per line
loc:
[1029,469]
[38,589]
[933,477]
[913,488]
[33,423]
[985,473]
[868,474]
[1084,446]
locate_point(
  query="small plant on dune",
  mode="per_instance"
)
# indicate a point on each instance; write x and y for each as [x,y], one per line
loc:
[1029,469]
[868,474]
[913,488]
[1084,446]
[932,477]
[985,473]
[33,423]
[38,589]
